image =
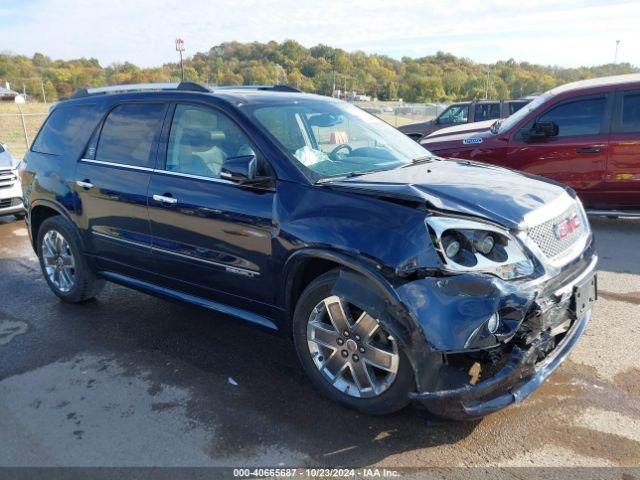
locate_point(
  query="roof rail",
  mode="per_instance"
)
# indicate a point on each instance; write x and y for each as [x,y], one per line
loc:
[273,88]
[140,87]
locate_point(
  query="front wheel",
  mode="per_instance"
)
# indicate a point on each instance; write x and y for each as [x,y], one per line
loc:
[346,352]
[65,268]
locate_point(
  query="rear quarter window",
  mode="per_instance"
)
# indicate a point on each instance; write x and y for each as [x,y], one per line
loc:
[67,130]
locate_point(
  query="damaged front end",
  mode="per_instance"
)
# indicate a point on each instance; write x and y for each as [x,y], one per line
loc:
[539,325]
[498,339]
[489,332]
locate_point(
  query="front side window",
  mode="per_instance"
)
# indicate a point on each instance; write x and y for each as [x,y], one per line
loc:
[486,111]
[577,117]
[331,139]
[454,114]
[630,121]
[201,139]
[130,133]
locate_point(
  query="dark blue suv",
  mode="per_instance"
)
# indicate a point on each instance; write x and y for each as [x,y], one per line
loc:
[399,275]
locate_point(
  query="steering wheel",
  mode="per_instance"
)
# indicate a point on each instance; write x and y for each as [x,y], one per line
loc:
[334,153]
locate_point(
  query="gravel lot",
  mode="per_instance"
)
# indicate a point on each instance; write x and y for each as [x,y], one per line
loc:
[132,380]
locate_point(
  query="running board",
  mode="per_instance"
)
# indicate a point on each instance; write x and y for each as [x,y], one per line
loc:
[185,297]
[615,213]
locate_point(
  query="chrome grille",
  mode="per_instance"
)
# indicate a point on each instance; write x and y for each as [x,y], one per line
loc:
[7,179]
[548,239]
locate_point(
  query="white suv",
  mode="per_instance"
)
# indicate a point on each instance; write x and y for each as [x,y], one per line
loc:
[10,189]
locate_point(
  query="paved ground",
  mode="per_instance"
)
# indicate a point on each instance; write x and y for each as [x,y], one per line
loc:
[131,380]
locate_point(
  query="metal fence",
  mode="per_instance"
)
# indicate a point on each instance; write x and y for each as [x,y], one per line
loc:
[19,124]
[400,113]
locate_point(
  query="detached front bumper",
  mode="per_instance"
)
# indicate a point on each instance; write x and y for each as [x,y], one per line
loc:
[513,383]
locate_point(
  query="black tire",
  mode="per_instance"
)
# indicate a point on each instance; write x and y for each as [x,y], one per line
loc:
[87,285]
[391,400]
[19,216]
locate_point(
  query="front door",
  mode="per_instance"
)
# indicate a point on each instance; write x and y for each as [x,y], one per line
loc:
[111,185]
[210,236]
[577,156]
[623,170]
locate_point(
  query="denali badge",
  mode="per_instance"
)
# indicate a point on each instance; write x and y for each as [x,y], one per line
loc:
[567,226]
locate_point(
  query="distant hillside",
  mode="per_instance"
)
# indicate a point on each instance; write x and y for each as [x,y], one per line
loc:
[440,77]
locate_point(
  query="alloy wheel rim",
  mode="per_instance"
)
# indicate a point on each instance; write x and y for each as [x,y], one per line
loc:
[58,261]
[357,357]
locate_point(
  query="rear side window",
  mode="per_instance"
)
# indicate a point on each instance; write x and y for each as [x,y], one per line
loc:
[129,134]
[630,121]
[577,117]
[515,106]
[67,130]
[486,111]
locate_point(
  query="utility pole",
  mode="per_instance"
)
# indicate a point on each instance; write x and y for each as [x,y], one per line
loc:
[44,96]
[180,49]
[615,56]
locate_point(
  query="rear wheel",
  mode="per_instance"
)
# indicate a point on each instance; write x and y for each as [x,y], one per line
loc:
[65,268]
[347,353]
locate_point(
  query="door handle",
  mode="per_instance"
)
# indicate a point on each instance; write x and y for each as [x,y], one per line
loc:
[588,150]
[86,184]
[165,199]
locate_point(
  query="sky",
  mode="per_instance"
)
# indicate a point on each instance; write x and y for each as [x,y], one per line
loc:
[567,33]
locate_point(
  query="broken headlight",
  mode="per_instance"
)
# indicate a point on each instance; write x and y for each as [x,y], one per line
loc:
[471,246]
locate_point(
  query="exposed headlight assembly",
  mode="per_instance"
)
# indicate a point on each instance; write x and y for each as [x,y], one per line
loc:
[470,246]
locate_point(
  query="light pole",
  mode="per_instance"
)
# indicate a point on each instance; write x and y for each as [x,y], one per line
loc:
[180,49]
[615,56]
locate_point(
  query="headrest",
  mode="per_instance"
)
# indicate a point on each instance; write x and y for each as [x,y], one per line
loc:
[198,139]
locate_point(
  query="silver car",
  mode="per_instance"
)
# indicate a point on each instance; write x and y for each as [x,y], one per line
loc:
[10,189]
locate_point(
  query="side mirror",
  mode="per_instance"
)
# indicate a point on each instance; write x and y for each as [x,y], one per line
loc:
[541,130]
[240,169]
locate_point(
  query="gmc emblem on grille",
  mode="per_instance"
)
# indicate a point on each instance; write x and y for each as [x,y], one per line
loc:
[567,226]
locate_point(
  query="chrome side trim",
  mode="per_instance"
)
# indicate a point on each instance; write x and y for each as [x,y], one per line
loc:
[157,170]
[123,240]
[121,165]
[614,213]
[228,268]
[195,177]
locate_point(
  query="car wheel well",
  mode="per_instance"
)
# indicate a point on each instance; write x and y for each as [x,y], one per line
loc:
[38,215]
[310,269]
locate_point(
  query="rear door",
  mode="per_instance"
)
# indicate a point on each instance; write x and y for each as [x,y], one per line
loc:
[623,169]
[111,184]
[578,155]
[211,237]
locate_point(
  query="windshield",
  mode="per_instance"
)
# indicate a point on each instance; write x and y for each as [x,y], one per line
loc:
[512,120]
[334,139]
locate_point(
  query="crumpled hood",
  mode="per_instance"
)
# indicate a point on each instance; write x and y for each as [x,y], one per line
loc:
[498,194]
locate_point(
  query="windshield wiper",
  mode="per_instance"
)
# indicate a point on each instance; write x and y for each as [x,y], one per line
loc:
[416,161]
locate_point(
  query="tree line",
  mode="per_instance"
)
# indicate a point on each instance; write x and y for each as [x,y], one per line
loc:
[442,77]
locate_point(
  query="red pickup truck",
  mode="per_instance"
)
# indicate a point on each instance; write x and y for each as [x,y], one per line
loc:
[585,134]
